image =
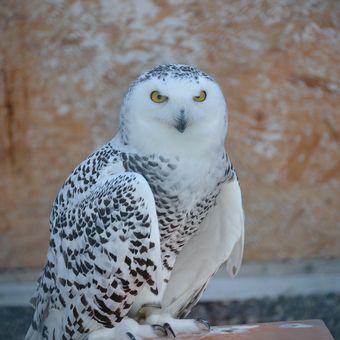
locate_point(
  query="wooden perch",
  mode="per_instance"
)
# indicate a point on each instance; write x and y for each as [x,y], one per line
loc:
[288,330]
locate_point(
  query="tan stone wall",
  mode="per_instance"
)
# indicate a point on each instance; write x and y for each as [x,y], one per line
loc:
[65,66]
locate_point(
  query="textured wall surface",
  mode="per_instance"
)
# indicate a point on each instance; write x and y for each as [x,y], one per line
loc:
[65,66]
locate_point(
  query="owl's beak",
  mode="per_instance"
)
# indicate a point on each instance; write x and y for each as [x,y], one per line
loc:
[181,122]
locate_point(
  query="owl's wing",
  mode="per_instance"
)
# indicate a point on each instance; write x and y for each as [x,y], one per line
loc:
[219,239]
[103,251]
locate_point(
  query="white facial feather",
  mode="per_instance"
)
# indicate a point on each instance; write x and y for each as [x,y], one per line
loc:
[150,127]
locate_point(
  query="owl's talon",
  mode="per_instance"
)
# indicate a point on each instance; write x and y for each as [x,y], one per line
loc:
[159,330]
[204,323]
[131,336]
[169,329]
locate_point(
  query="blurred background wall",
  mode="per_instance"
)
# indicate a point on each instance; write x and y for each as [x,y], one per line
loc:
[66,64]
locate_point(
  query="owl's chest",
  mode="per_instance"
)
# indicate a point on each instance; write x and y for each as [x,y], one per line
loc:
[184,192]
[182,188]
[181,212]
[184,197]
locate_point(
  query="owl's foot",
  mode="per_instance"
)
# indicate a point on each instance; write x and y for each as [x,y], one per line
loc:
[174,326]
[205,324]
[165,329]
[128,329]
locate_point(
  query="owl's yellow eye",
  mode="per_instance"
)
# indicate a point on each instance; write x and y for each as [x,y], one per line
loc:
[157,97]
[201,97]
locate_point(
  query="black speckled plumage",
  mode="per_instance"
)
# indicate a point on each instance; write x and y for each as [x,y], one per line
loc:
[92,222]
[173,71]
[103,250]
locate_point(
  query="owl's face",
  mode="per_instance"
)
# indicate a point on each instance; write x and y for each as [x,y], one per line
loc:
[173,114]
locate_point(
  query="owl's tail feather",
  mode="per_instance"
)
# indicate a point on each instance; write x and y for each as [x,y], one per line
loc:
[32,334]
[51,329]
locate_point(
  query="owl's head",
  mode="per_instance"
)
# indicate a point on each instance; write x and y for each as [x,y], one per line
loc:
[174,110]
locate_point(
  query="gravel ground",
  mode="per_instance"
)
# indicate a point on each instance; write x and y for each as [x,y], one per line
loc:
[14,321]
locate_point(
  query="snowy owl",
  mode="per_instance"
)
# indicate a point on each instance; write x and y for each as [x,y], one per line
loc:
[140,226]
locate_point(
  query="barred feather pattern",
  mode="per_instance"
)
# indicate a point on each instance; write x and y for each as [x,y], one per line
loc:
[99,252]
